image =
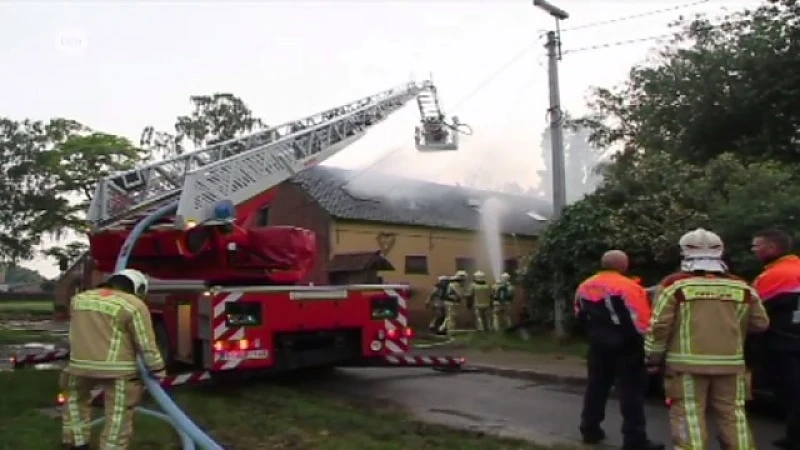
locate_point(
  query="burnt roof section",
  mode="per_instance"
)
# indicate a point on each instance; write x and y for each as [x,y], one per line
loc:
[415,202]
[358,261]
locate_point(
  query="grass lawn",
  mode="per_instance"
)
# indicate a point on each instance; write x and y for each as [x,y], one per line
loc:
[25,336]
[537,344]
[245,417]
[35,308]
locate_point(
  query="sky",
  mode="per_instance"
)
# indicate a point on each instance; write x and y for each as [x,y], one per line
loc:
[120,66]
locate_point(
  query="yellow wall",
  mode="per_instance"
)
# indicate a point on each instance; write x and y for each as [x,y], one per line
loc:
[441,247]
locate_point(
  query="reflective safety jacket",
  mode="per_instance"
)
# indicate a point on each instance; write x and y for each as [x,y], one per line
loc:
[615,309]
[503,293]
[108,328]
[700,323]
[436,297]
[480,292]
[455,292]
[779,289]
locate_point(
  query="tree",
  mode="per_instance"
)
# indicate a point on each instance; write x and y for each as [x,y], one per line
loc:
[66,255]
[79,162]
[733,86]
[20,275]
[160,144]
[30,209]
[217,117]
[580,160]
[645,208]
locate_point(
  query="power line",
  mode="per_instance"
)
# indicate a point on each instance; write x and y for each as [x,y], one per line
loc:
[635,16]
[616,44]
[525,50]
[634,41]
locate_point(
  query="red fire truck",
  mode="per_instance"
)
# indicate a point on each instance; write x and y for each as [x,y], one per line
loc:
[226,291]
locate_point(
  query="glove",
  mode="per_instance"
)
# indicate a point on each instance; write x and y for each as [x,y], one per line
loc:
[654,362]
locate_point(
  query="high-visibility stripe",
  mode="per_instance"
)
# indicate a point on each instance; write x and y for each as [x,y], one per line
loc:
[117,415]
[742,427]
[692,410]
[115,366]
[76,425]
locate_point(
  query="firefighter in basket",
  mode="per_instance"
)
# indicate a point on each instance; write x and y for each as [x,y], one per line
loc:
[109,326]
[480,294]
[436,303]
[701,318]
[456,294]
[502,297]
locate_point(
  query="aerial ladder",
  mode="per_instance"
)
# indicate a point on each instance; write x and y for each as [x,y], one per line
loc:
[223,175]
[434,133]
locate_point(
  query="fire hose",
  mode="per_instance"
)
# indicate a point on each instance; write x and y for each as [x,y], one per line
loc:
[190,434]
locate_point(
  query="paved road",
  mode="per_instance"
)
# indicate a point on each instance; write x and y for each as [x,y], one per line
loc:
[544,413]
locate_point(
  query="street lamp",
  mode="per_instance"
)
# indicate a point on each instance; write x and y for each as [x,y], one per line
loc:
[556,115]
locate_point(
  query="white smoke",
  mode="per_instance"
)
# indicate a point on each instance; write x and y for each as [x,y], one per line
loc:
[492,211]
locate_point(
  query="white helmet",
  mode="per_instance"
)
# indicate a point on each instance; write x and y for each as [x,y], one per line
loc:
[442,278]
[460,275]
[479,276]
[702,250]
[137,279]
[505,277]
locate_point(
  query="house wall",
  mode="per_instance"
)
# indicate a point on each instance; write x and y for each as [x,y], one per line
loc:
[439,247]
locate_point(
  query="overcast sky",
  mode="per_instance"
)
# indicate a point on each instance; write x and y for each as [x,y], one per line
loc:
[119,66]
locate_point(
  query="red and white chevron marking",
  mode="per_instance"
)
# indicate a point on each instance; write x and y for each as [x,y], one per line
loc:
[424,361]
[39,357]
[399,344]
[169,382]
[224,333]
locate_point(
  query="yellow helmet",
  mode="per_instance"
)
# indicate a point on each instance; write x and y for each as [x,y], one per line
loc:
[479,276]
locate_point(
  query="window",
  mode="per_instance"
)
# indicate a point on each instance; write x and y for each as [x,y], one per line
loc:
[510,266]
[417,265]
[466,264]
[262,218]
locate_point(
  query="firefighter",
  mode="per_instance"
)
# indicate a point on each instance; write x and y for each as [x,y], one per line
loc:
[617,315]
[502,297]
[109,326]
[698,331]
[435,302]
[455,294]
[779,288]
[480,294]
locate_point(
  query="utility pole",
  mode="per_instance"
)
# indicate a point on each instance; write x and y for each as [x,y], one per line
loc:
[556,115]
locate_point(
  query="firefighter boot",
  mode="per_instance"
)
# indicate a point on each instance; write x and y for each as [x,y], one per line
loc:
[646,445]
[594,436]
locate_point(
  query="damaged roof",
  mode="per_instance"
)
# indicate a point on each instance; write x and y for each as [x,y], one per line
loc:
[405,201]
[359,261]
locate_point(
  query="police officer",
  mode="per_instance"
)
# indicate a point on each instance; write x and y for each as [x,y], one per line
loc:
[779,288]
[701,319]
[435,302]
[502,297]
[617,315]
[109,326]
[480,294]
[456,293]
